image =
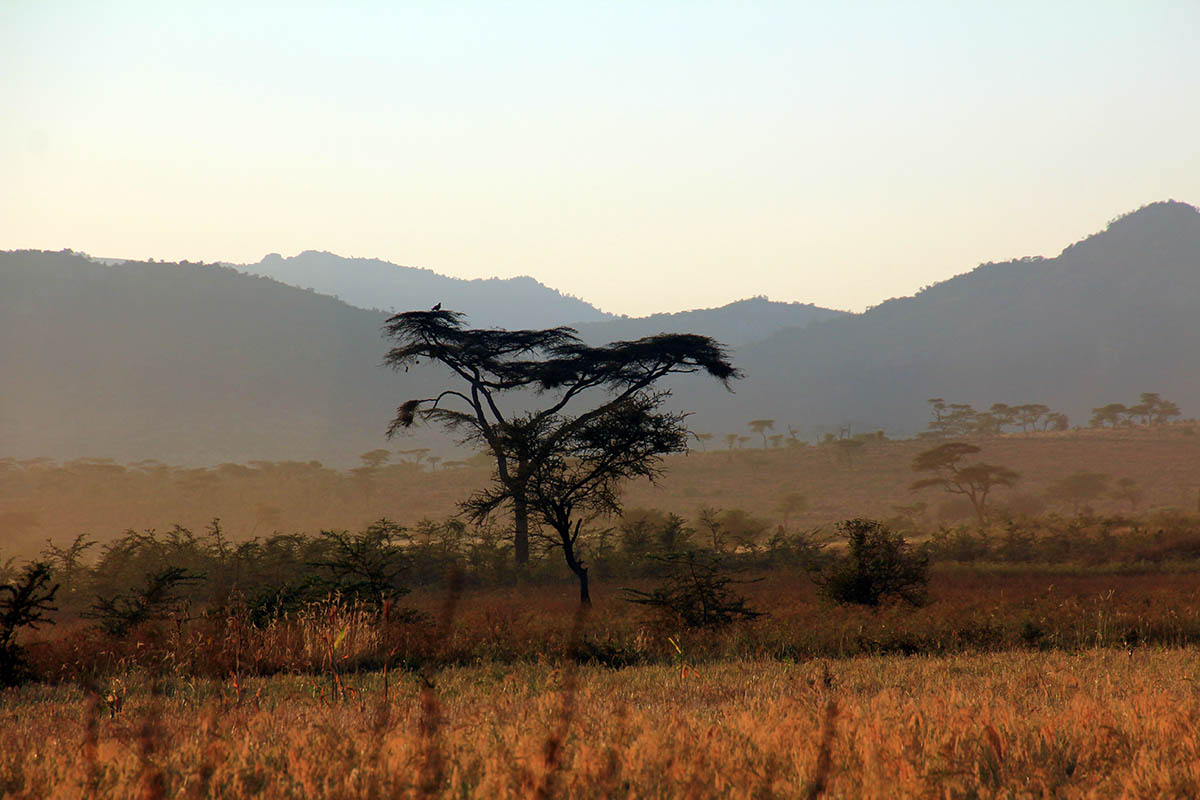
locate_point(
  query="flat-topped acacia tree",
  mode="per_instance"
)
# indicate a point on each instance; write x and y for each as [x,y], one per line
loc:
[564,421]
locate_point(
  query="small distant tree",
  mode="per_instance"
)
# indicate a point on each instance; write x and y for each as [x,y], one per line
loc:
[1153,410]
[704,439]
[713,528]
[1030,414]
[1164,411]
[67,562]
[1057,421]
[743,530]
[1128,491]
[879,566]
[1004,415]
[761,426]
[791,503]
[1112,415]
[1078,488]
[986,424]
[731,440]
[974,481]
[937,407]
[418,454]
[374,459]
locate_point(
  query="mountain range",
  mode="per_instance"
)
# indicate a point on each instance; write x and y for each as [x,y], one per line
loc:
[373,284]
[194,363]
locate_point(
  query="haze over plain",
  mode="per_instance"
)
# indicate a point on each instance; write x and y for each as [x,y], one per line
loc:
[645,157]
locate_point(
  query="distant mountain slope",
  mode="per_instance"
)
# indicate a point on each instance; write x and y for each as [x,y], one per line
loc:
[735,325]
[202,364]
[185,363]
[1113,315]
[371,283]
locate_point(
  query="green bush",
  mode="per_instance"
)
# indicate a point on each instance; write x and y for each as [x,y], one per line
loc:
[879,565]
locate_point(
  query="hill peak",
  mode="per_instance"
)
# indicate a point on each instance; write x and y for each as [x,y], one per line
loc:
[373,283]
[1139,228]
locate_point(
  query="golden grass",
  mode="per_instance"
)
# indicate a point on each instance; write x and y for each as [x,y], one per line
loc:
[1101,723]
[971,611]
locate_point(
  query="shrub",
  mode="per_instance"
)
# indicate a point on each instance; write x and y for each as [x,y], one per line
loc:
[368,566]
[696,592]
[879,565]
[156,599]
[23,604]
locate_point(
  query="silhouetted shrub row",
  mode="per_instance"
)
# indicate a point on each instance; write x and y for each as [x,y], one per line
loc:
[1085,540]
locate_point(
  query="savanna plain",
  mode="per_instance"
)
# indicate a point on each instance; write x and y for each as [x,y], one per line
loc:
[291,630]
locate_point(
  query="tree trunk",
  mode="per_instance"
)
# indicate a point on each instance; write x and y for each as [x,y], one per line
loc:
[521,532]
[568,545]
[585,599]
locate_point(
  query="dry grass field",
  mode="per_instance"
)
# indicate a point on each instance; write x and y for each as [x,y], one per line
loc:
[970,611]
[1068,671]
[1098,723]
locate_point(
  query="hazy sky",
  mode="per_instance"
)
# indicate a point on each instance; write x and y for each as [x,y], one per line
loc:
[644,156]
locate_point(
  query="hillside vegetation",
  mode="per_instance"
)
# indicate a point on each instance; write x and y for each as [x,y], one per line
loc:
[200,364]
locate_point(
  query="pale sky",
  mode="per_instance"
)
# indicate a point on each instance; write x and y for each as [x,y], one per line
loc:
[644,156]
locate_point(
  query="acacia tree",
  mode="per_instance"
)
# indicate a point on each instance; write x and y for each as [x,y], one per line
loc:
[974,481]
[1078,488]
[1111,414]
[536,452]
[579,479]
[761,426]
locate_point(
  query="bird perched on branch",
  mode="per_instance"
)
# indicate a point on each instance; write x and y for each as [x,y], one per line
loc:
[438,307]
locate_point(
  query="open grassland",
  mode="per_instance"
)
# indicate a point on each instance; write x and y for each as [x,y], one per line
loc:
[1097,723]
[42,500]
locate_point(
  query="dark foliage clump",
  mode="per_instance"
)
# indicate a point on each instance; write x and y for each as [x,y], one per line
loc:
[368,566]
[696,591]
[157,598]
[879,566]
[24,603]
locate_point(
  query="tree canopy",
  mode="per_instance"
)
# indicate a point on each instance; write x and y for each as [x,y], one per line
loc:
[512,397]
[973,481]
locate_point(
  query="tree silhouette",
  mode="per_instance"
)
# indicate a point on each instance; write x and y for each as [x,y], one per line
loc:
[1078,488]
[1004,415]
[1030,414]
[1110,414]
[1057,421]
[578,478]
[374,459]
[761,426]
[536,452]
[1153,410]
[975,482]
